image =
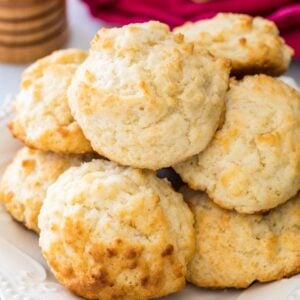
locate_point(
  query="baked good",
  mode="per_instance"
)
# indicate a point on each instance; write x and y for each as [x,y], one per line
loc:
[25,182]
[252,44]
[253,162]
[112,232]
[235,250]
[146,98]
[43,119]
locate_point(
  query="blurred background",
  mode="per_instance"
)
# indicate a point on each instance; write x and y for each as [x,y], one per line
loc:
[74,23]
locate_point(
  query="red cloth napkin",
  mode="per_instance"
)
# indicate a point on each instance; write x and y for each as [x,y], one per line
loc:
[285,13]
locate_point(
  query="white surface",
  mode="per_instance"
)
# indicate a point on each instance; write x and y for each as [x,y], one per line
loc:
[24,274]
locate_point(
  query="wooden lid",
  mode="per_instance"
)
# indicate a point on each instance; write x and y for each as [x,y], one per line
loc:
[21,12]
[35,24]
[31,29]
[30,52]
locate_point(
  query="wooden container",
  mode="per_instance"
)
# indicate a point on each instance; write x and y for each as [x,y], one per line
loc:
[30,29]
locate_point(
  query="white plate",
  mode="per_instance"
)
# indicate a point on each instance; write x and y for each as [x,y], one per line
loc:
[24,274]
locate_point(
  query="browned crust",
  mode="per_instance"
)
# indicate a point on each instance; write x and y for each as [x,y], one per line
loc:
[246,284]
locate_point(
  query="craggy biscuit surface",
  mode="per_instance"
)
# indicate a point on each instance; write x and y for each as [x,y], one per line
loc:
[43,118]
[253,162]
[146,98]
[112,232]
[25,182]
[252,44]
[234,250]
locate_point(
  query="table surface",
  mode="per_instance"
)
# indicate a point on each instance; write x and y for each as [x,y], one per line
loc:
[80,35]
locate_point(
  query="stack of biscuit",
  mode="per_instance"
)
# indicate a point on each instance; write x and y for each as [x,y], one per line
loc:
[97,126]
[31,29]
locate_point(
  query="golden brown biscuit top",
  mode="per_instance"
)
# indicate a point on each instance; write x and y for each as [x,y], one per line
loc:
[234,250]
[252,44]
[43,118]
[144,91]
[25,182]
[111,231]
[253,162]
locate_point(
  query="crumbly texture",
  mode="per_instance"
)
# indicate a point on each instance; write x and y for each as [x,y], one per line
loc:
[112,232]
[253,162]
[146,98]
[252,44]
[43,118]
[25,182]
[234,250]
